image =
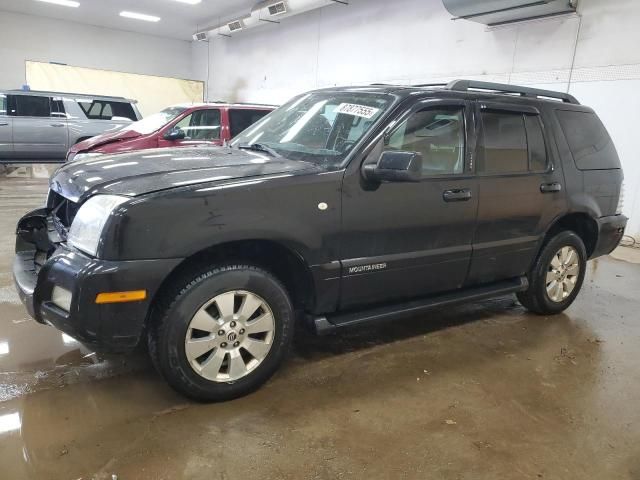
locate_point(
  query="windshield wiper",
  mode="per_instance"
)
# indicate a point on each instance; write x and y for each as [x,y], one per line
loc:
[259,147]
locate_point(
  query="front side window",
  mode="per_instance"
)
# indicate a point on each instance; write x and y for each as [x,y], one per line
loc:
[33,106]
[437,134]
[201,125]
[242,118]
[156,121]
[319,127]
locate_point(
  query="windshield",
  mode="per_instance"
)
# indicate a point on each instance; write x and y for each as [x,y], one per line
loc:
[319,127]
[156,121]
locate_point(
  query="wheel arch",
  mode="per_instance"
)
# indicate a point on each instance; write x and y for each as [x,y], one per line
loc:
[285,263]
[582,224]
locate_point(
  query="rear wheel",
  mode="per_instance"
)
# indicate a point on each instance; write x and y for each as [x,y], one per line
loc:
[224,334]
[557,275]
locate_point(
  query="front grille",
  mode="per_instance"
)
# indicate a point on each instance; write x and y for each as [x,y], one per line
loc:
[63,211]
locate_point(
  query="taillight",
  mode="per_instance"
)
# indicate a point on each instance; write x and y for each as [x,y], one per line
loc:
[620,200]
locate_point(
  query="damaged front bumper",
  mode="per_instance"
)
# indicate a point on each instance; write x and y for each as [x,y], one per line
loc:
[44,266]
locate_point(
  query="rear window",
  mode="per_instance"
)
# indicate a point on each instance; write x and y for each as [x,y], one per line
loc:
[241,119]
[107,110]
[588,140]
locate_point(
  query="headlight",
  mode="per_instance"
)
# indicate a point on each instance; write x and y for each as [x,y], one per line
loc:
[87,226]
[83,156]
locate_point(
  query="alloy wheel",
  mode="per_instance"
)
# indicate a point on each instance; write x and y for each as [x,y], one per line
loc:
[562,274]
[229,336]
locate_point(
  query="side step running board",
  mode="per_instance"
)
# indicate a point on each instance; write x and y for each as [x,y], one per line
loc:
[326,324]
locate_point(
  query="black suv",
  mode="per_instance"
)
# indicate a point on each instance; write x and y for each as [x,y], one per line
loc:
[343,207]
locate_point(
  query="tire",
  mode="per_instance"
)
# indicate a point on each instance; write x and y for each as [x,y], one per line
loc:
[537,297]
[223,295]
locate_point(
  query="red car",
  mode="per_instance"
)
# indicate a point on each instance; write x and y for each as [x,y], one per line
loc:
[180,125]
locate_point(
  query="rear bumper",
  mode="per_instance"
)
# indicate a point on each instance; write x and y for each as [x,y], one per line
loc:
[610,232]
[114,327]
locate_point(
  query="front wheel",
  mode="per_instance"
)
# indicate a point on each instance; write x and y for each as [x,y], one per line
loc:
[556,276]
[224,334]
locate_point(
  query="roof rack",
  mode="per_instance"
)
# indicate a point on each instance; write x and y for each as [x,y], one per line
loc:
[49,93]
[465,85]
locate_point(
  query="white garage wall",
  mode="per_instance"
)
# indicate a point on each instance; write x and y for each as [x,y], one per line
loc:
[415,41]
[42,39]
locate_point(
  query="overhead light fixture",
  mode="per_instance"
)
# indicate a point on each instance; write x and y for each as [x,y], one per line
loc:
[190,2]
[64,3]
[140,16]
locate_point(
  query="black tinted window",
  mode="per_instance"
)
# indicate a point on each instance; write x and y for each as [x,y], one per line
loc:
[107,109]
[505,143]
[588,140]
[535,141]
[32,106]
[242,119]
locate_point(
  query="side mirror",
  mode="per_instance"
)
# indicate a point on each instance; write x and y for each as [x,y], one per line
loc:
[395,167]
[175,134]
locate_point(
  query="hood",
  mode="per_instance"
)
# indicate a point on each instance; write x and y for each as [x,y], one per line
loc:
[105,138]
[147,171]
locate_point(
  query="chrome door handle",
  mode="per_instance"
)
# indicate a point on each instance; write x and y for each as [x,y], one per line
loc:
[4,124]
[457,195]
[550,187]
[57,124]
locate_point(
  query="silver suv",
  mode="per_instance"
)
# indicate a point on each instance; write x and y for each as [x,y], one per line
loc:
[42,126]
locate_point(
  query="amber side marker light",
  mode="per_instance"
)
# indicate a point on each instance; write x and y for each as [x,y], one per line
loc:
[121,297]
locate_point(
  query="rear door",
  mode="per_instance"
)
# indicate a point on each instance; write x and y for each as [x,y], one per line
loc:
[521,190]
[6,129]
[39,128]
[405,240]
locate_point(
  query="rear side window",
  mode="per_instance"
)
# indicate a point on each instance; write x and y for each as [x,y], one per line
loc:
[107,110]
[535,142]
[588,140]
[57,108]
[33,106]
[505,143]
[513,143]
[241,119]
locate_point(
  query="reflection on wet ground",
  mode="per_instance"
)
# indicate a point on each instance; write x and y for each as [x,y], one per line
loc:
[480,391]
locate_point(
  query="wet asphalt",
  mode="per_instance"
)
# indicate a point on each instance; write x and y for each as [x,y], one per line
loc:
[482,391]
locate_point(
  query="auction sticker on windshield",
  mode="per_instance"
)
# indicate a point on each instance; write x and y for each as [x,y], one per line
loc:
[357,110]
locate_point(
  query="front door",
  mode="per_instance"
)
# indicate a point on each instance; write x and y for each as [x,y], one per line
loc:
[520,191]
[405,240]
[6,129]
[39,130]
